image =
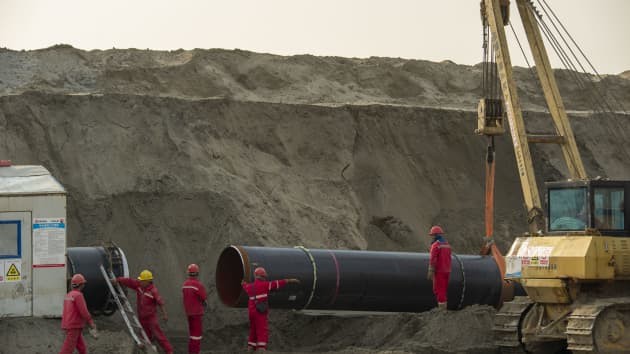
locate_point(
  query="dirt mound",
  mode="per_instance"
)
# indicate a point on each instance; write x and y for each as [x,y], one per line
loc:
[433,331]
[248,76]
[173,178]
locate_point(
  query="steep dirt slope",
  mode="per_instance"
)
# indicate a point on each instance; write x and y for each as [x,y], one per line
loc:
[175,180]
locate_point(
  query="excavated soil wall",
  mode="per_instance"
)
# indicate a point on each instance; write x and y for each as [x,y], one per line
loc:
[174,178]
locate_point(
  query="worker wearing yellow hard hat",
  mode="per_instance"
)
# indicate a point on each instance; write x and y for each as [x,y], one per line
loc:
[148,301]
[145,275]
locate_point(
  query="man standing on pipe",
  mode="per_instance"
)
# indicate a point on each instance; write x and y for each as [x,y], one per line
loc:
[258,307]
[439,265]
[75,315]
[194,294]
[148,300]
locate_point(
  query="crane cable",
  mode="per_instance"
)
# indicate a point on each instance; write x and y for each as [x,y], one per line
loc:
[565,60]
[531,70]
[491,90]
[597,96]
[586,82]
[580,50]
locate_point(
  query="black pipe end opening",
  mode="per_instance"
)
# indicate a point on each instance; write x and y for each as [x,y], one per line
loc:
[87,261]
[229,273]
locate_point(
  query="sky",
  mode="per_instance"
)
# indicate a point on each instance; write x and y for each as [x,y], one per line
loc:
[433,30]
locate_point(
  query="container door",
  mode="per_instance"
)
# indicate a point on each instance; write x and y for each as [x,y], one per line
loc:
[16,284]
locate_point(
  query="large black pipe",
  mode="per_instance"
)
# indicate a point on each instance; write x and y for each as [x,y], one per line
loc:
[87,261]
[356,280]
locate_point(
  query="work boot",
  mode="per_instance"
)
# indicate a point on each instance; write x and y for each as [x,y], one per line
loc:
[442,306]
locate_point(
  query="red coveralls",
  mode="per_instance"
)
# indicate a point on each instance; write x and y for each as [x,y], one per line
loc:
[440,262]
[75,315]
[258,330]
[194,294]
[147,301]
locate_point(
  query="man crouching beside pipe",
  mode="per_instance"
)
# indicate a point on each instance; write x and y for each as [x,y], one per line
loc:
[258,306]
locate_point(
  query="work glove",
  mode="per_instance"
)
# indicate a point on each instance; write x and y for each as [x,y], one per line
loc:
[93,332]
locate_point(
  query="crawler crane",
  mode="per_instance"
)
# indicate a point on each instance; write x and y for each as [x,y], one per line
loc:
[574,263]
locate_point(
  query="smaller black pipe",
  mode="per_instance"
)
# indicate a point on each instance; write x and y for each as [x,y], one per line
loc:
[87,261]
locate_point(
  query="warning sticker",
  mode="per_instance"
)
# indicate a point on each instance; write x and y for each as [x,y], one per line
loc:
[12,270]
[537,256]
[49,242]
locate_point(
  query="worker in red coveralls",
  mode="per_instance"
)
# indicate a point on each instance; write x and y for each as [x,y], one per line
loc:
[148,300]
[194,294]
[439,265]
[258,307]
[75,316]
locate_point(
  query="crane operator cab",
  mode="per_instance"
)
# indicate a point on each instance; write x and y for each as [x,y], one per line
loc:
[598,206]
[578,278]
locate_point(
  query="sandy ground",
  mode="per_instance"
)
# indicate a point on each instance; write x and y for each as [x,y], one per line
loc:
[429,332]
[175,155]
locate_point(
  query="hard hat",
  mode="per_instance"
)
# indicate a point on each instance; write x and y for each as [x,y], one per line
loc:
[260,272]
[193,268]
[435,230]
[145,275]
[77,280]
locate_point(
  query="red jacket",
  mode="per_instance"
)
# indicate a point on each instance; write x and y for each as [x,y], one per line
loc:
[147,298]
[194,296]
[75,312]
[260,289]
[440,260]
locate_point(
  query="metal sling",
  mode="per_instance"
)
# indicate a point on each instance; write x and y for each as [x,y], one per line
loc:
[126,311]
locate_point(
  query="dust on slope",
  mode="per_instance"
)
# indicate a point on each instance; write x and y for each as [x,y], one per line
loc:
[176,180]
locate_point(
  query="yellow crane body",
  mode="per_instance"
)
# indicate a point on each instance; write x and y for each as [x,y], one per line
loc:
[574,261]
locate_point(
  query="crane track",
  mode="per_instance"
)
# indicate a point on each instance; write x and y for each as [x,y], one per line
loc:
[583,321]
[506,325]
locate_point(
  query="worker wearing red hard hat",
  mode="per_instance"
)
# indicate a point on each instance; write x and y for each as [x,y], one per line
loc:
[439,265]
[75,316]
[258,307]
[148,300]
[194,294]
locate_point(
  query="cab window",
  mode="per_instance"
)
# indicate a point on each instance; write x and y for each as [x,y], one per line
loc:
[609,208]
[568,209]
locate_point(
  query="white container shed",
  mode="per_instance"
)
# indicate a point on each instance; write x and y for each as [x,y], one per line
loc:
[32,242]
